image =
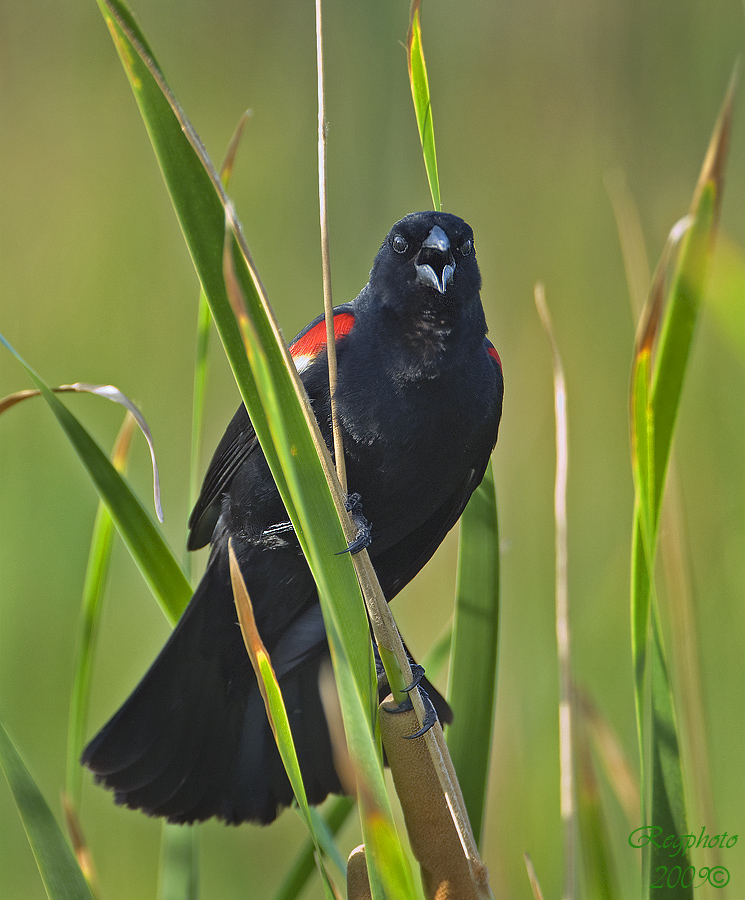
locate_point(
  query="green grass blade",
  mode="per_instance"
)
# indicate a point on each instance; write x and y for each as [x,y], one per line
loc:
[389,856]
[204,324]
[671,359]
[640,605]
[668,809]
[200,205]
[326,834]
[657,383]
[282,423]
[59,871]
[473,662]
[99,558]
[686,294]
[422,101]
[139,532]
[178,872]
[270,388]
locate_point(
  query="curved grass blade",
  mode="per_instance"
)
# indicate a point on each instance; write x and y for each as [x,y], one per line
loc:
[472,681]
[271,390]
[116,396]
[192,182]
[59,871]
[178,879]
[139,532]
[200,204]
[422,101]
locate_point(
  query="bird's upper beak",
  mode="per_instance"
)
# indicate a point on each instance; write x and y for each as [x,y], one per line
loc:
[435,263]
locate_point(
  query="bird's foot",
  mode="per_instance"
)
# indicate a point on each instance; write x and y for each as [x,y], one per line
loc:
[363,538]
[430,715]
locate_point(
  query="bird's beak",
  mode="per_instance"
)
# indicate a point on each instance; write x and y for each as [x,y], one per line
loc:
[435,263]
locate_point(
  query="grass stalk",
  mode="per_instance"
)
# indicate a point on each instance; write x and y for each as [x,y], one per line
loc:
[328,305]
[566,713]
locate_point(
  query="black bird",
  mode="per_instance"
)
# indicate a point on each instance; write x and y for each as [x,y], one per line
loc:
[420,397]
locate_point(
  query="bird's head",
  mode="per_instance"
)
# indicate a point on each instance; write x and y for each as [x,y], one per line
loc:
[422,297]
[428,257]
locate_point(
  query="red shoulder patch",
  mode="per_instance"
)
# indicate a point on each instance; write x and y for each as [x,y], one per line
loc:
[307,347]
[492,351]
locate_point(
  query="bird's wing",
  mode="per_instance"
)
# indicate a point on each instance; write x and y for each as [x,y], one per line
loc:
[493,355]
[240,439]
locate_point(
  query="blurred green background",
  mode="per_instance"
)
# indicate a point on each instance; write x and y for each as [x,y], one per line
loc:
[535,104]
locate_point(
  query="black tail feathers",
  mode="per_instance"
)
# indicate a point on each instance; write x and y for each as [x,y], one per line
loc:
[193,740]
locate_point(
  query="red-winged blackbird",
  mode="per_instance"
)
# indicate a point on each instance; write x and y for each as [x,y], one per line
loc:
[420,397]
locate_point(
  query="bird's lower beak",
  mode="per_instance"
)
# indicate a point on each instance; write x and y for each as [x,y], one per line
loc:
[435,264]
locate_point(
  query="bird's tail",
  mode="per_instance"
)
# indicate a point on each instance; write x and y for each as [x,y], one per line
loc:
[193,740]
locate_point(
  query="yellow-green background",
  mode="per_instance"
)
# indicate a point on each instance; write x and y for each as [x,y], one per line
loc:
[535,103]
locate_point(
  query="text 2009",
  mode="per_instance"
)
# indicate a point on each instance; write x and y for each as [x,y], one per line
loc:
[672,876]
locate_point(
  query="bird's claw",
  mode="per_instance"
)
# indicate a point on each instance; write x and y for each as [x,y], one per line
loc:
[363,538]
[430,717]
[417,673]
[362,541]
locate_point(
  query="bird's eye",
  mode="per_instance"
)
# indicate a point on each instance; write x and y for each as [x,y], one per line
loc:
[466,248]
[399,244]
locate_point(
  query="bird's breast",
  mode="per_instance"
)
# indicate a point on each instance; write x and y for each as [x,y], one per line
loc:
[410,444]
